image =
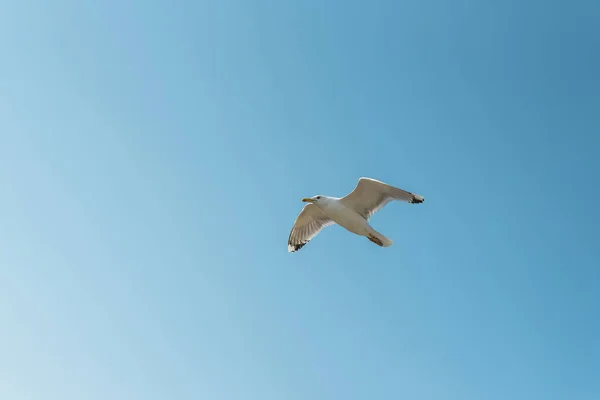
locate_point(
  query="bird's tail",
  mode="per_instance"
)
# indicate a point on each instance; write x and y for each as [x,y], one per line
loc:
[379,239]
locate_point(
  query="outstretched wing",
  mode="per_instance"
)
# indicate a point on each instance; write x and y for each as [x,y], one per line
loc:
[370,196]
[309,223]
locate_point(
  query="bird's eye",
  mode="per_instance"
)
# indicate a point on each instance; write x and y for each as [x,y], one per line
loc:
[318,197]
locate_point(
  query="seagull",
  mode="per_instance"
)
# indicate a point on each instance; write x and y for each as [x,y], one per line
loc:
[352,212]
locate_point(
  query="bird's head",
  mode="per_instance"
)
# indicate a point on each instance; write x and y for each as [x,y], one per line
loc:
[315,199]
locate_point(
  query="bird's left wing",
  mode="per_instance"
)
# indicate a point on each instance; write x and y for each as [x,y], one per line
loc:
[370,196]
[309,223]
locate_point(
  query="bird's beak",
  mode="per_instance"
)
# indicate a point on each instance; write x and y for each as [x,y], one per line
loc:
[308,200]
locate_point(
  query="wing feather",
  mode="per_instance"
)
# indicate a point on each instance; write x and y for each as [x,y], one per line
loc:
[308,224]
[370,196]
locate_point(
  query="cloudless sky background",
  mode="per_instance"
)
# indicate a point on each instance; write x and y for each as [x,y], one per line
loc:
[153,155]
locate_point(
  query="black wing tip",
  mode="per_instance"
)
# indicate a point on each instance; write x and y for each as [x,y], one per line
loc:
[416,199]
[292,248]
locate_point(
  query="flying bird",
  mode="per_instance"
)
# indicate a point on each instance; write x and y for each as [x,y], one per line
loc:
[352,212]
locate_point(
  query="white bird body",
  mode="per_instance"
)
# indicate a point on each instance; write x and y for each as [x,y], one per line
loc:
[344,216]
[352,212]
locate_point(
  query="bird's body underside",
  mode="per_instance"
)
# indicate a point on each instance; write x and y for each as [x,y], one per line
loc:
[351,212]
[346,217]
[353,222]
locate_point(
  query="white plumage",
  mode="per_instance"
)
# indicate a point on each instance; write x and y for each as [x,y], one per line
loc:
[351,212]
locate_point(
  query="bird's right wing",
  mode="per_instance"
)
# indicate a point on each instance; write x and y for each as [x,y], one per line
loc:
[370,196]
[309,223]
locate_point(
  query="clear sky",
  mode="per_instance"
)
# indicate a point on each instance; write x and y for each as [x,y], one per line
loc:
[153,155]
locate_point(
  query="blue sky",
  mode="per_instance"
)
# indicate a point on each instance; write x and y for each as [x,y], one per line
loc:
[153,156]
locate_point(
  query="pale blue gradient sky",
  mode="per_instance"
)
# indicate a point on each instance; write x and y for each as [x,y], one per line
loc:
[152,159]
